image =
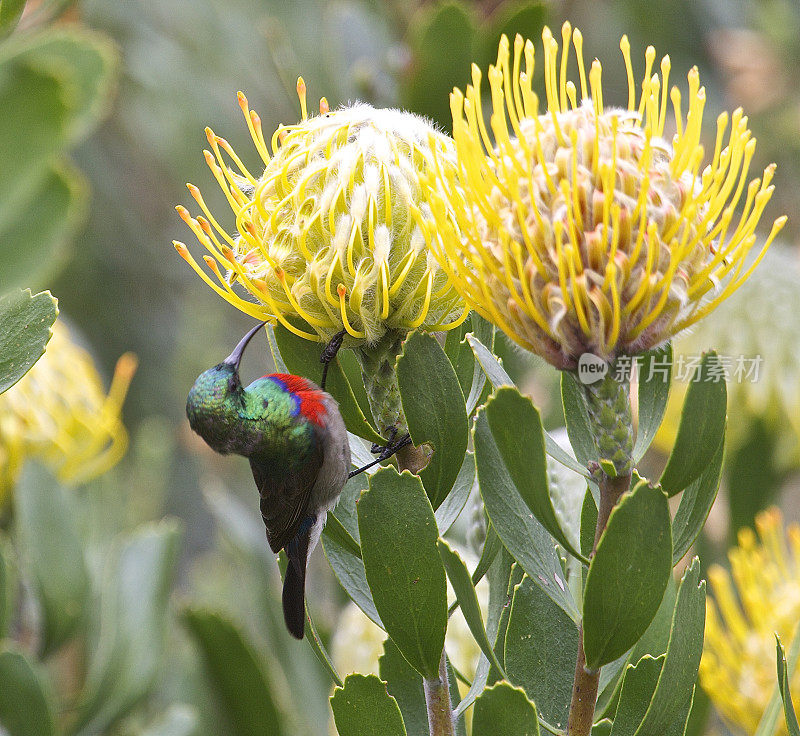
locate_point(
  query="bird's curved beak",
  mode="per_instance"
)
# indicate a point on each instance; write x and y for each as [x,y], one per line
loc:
[236,356]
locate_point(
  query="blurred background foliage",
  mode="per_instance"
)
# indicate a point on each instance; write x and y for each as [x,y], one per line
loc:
[146,601]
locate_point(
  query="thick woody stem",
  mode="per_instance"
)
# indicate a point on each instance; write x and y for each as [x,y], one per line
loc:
[609,409]
[437,702]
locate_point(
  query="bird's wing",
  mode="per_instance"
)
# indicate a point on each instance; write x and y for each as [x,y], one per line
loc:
[285,489]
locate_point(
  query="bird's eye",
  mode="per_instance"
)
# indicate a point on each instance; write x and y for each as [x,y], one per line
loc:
[266,403]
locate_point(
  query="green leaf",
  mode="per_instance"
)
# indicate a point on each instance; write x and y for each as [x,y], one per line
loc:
[498,378]
[517,431]
[25,703]
[435,412]
[526,17]
[347,567]
[405,685]
[701,427]
[460,355]
[503,576]
[541,647]
[504,710]
[576,416]
[35,107]
[655,380]
[786,695]
[133,619]
[85,62]
[301,357]
[33,239]
[314,640]
[484,332]
[679,673]
[335,530]
[588,523]
[457,499]
[491,546]
[9,579]
[467,599]
[696,503]
[769,719]
[637,691]
[49,542]
[236,674]
[179,720]
[523,536]
[25,328]
[404,571]
[363,707]
[628,575]
[10,13]
[441,40]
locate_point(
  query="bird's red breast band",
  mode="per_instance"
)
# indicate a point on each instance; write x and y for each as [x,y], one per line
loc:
[310,399]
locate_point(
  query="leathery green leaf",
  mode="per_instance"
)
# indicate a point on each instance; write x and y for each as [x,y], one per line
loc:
[504,710]
[26,322]
[628,575]
[679,673]
[655,379]
[363,707]
[541,647]
[236,674]
[701,427]
[25,703]
[405,573]
[517,430]
[435,411]
[522,535]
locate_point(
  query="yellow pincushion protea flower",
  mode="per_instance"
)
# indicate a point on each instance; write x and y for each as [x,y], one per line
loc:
[329,237]
[60,414]
[580,228]
[757,599]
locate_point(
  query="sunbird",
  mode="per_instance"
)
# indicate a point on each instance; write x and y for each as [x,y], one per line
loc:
[291,431]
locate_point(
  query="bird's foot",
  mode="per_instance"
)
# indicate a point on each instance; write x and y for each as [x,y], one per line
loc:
[386,451]
[392,446]
[329,353]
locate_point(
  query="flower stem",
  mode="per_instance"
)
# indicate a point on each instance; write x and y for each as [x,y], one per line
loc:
[609,410]
[437,702]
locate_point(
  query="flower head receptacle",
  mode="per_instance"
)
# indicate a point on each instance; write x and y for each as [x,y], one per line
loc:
[580,228]
[331,235]
[60,414]
[757,599]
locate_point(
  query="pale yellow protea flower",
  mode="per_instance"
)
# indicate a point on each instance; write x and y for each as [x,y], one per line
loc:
[757,599]
[60,414]
[581,228]
[330,236]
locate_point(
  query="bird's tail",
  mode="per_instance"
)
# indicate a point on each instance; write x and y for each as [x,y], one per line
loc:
[294,584]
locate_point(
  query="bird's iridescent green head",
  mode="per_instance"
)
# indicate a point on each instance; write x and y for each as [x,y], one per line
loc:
[215,403]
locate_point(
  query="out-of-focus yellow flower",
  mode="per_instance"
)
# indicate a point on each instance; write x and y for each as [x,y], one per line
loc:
[329,237]
[761,355]
[580,228]
[60,414]
[758,598]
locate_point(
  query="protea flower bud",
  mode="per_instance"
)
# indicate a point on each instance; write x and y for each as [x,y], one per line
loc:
[580,228]
[328,237]
[60,414]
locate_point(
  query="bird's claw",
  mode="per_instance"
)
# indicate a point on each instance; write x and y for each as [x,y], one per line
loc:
[329,353]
